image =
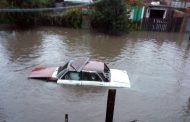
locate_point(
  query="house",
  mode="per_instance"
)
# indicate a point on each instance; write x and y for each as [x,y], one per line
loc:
[166,15]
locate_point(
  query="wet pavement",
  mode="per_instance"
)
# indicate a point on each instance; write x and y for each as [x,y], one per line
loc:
[158,66]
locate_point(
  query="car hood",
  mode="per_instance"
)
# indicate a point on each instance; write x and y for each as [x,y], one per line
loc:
[119,78]
[42,72]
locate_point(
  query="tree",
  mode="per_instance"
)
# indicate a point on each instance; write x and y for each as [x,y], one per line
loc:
[111,16]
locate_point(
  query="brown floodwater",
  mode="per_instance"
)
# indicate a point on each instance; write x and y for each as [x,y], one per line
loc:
[158,66]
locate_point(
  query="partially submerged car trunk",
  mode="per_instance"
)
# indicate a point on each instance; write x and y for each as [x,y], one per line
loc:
[43,73]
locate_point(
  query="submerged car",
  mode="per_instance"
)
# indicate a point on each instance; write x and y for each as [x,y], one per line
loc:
[83,71]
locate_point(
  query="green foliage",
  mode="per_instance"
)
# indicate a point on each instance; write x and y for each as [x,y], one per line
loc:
[24,19]
[70,18]
[111,16]
[73,18]
[3,19]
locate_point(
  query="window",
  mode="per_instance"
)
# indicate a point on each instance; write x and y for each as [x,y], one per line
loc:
[90,76]
[156,13]
[72,76]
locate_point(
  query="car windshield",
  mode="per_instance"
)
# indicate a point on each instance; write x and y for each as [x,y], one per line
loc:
[62,70]
[61,73]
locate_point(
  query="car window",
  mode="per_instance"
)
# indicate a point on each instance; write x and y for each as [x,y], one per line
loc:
[89,76]
[72,76]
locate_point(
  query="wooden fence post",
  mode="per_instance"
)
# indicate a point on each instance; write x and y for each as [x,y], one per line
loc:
[66,117]
[110,105]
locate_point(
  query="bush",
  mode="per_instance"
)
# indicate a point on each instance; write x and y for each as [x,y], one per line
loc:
[70,18]
[23,19]
[73,18]
[3,19]
[111,16]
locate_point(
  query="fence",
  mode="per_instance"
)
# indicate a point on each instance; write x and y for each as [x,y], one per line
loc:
[162,25]
[155,24]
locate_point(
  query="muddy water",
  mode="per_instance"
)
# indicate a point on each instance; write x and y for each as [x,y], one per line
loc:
[158,65]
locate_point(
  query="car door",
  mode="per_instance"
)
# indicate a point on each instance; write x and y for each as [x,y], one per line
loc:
[91,79]
[70,78]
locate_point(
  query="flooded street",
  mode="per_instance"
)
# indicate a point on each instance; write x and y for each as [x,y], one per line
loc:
[158,66]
